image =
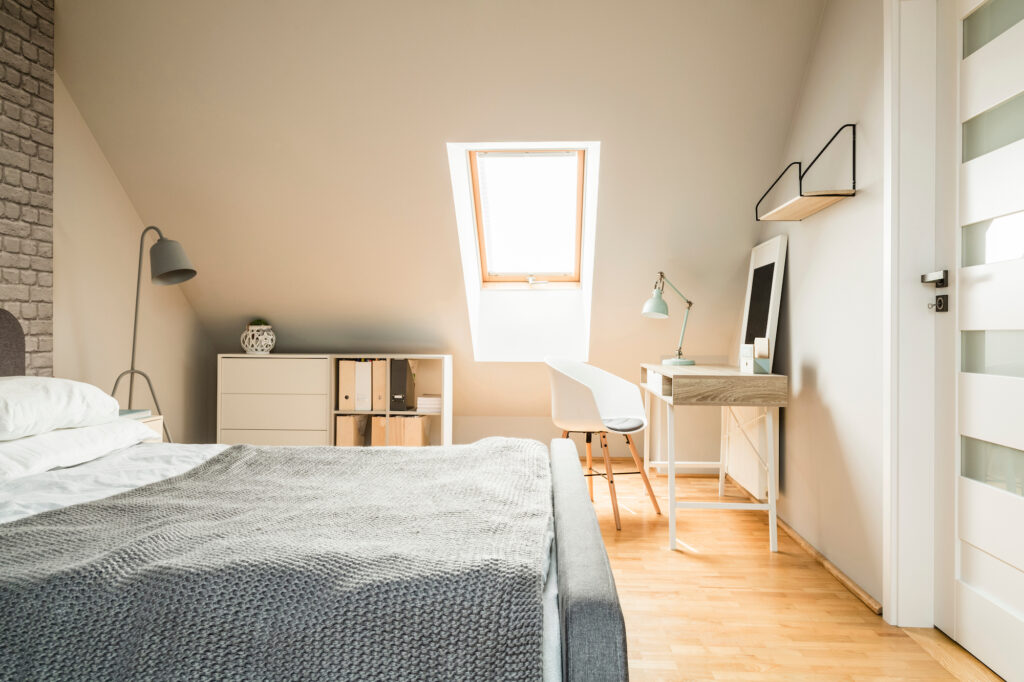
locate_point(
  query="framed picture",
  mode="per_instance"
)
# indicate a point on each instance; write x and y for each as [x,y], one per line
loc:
[764,292]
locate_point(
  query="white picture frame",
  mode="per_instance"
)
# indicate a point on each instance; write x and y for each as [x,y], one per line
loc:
[764,315]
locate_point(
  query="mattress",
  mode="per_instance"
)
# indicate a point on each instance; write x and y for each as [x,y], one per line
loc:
[146,463]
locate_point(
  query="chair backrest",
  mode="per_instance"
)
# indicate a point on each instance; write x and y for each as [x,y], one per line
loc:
[582,396]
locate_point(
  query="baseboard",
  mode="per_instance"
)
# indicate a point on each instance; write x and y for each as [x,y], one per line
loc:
[853,587]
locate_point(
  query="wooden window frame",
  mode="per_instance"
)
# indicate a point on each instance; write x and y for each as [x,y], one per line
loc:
[524,278]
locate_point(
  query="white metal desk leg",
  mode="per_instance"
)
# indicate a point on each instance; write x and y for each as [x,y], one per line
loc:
[722,450]
[648,433]
[670,432]
[773,478]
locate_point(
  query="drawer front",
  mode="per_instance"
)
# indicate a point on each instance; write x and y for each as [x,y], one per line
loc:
[275,375]
[270,437]
[277,412]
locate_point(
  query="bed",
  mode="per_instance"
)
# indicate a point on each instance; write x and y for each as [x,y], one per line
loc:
[163,561]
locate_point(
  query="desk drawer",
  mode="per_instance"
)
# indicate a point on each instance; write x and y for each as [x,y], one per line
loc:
[268,374]
[272,437]
[289,412]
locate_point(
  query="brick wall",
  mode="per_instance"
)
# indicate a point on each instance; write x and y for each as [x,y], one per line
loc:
[26,188]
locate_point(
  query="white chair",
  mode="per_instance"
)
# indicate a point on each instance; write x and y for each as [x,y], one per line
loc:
[588,400]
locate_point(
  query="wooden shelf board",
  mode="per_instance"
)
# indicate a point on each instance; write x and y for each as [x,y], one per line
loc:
[382,413]
[799,208]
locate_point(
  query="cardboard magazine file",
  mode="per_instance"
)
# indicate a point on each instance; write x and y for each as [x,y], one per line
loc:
[378,427]
[379,370]
[415,431]
[346,384]
[350,430]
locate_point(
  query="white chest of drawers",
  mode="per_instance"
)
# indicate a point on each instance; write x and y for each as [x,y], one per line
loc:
[273,400]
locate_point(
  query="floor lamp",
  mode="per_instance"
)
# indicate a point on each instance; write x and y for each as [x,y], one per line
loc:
[168,265]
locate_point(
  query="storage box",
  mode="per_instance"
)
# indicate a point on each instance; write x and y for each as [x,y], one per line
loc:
[415,430]
[747,358]
[394,434]
[350,430]
[409,431]
[377,425]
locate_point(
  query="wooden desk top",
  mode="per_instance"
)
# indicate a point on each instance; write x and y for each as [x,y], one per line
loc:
[721,385]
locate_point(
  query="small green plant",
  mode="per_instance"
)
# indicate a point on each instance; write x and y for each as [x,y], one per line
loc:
[259,322]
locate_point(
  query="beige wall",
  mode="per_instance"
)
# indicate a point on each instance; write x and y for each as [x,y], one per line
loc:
[830,326]
[298,151]
[96,232]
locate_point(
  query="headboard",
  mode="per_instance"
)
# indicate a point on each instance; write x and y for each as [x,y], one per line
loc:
[12,346]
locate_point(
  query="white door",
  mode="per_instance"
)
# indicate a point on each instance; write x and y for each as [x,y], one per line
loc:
[989,527]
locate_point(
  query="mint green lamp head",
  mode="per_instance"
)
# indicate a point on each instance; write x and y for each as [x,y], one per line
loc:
[656,308]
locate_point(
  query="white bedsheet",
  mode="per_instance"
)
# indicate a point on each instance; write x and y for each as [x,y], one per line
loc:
[146,463]
[114,473]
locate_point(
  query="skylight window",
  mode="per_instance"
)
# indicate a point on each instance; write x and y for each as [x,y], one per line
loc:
[528,207]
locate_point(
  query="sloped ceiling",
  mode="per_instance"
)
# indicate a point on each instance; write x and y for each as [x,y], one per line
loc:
[297,149]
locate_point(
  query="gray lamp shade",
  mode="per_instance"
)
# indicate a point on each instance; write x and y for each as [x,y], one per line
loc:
[169,264]
[655,306]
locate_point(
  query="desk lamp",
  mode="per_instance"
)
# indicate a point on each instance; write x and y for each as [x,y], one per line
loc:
[656,308]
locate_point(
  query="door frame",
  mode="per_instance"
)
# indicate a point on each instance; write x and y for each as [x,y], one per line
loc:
[920,75]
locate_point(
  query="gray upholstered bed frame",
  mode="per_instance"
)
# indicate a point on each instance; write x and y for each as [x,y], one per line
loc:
[593,632]
[12,346]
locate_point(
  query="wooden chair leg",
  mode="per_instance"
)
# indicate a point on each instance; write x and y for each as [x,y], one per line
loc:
[611,480]
[565,434]
[590,467]
[643,474]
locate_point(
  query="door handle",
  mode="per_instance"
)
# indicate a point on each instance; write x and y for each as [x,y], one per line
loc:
[940,278]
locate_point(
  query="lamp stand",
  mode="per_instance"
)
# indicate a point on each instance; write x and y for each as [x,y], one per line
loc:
[131,371]
[679,360]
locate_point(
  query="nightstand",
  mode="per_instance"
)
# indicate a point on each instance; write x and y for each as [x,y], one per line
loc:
[155,422]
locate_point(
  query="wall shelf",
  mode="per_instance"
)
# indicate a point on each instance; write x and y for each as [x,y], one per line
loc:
[807,203]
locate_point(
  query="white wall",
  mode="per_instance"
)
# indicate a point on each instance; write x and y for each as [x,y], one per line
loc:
[830,328]
[96,242]
[298,150]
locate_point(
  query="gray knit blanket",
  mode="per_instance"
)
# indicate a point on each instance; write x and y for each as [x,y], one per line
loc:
[310,563]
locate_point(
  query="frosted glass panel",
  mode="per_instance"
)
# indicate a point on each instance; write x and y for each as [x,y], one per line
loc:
[995,465]
[993,352]
[988,21]
[529,207]
[992,241]
[995,128]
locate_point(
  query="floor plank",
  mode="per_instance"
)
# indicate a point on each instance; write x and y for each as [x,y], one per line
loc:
[951,655]
[723,607]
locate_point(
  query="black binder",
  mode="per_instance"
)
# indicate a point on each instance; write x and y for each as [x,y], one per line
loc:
[402,389]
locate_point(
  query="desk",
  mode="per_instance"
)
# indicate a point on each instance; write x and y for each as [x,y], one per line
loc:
[726,387]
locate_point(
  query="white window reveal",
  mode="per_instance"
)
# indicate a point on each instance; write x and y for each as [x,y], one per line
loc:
[526,218]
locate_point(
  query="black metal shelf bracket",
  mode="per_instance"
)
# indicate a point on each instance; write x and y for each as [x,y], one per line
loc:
[802,172]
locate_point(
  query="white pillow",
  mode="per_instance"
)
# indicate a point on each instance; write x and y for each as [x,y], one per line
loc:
[33,405]
[67,447]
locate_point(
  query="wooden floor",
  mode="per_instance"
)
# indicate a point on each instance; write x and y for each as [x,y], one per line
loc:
[725,608]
